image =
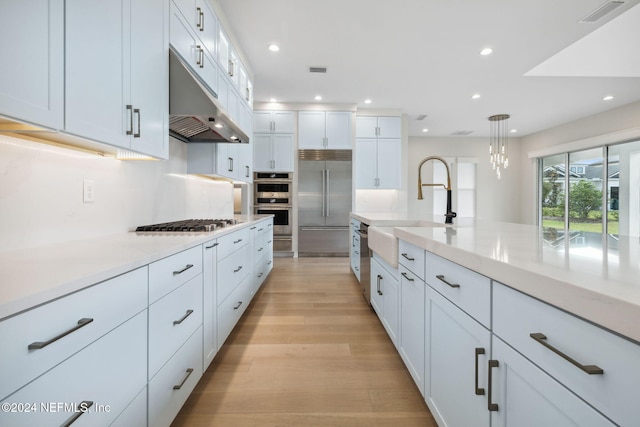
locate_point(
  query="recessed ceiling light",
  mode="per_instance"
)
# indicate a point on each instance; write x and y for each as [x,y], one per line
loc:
[607,98]
[318,98]
[273,100]
[514,130]
[274,47]
[475,96]
[218,125]
[367,101]
[425,130]
[486,51]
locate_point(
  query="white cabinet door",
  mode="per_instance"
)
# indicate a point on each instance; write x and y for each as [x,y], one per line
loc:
[389,127]
[283,152]
[227,160]
[262,155]
[206,26]
[338,130]
[245,161]
[457,353]
[32,83]
[525,396]
[412,303]
[389,156]
[377,301]
[390,288]
[209,303]
[311,130]
[366,163]
[284,122]
[366,127]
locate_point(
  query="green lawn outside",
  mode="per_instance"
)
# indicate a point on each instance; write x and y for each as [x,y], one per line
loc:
[591,227]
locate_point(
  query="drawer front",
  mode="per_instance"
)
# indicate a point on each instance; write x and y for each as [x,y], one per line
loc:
[172,320]
[613,392]
[412,257]
[108,372]
[230,311]
[86,315]
[135,415]
[465,288]
[176,380]
[230,243]
[231,271]
[169,273]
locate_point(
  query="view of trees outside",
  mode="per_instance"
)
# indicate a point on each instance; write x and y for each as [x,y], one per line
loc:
[585,190]
[552,196]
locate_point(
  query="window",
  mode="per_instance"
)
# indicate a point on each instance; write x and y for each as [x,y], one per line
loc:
[463,183]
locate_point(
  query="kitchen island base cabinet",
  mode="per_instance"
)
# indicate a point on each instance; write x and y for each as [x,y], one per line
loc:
[385,296]
[412,291]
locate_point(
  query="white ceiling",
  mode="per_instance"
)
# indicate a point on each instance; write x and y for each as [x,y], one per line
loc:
[422,57]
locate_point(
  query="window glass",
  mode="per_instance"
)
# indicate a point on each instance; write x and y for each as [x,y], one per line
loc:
[585,191]
[552,196]
[623,189]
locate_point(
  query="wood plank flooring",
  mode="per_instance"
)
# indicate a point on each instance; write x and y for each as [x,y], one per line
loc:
[308,352]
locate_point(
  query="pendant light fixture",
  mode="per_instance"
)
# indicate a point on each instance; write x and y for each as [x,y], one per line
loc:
[499,142]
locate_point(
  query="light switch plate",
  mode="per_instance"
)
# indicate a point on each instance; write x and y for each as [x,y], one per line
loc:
[88,194]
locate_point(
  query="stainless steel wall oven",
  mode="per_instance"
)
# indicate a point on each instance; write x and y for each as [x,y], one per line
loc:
[273,196]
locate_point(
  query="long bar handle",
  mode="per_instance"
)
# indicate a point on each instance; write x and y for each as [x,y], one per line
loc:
[184,380]
[442,279]
[37,345]
[493,407]
[379,279]
[408,257]
[407,277]
[324,191]
[479,391]
[130,108]
[200,23]
[326,194]
[589,369]
[237,241]
[212,246]
[188,266]
[136,111]
[182,319]
[82,408]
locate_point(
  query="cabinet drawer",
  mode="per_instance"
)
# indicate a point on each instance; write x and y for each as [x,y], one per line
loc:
[50,321]
[231,309]
[176,380]
[231,271]
[411,257]
[516,316]
[172,320]
[108,372]
[232,242]
[135,415]
[169,273]
[465,288]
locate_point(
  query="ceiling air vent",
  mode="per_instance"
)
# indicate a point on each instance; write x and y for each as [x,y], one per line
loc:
[461,132]
[421,117]
[601,12]
[317,69]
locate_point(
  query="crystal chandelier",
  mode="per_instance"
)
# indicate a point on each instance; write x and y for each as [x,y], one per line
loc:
[499,142]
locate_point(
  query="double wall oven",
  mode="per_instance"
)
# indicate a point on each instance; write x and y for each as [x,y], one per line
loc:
[273,194]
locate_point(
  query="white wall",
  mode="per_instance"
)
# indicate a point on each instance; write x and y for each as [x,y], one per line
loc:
[41,190]
[612,126]
[495,198]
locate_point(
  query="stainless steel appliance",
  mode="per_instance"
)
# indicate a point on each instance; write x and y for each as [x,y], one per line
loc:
[365,261]
[273,196]
[324,202]
[189,225]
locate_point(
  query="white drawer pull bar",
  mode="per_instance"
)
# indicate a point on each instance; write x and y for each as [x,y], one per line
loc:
[589,369]
[491,406]
[82,408]
[407,277]
[42,344]
[184,380]
[410,259]
[442,279]
[479,391]
[175,273]
[182,319]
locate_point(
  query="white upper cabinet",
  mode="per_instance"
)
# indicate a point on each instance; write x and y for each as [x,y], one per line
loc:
[274,122]
[117,74]
[378,127]
[273,152]
[378,152]
[32,83]
[324,130]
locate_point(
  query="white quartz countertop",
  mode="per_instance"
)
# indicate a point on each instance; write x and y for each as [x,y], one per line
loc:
[598,281]
[30,277]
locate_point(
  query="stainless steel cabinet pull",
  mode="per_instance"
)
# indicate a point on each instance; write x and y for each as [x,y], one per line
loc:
[589,369]
[442,279]
[184,380]
[247,174]
[212,246]
[491,406]
[130,108]
[379,279]
[260,229]
[182,319]
[82,408]
[248,97]
[407,277]
[200,57]
[260,250]
[253,228]
[230,164]
[237,269]
[237,241]
[407,257]
[137,111]
[42,344]
[175,273]
[230,69]
[479,391]
[238,306]
[200,15]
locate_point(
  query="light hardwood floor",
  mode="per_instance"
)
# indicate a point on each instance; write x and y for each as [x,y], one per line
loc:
[308,352]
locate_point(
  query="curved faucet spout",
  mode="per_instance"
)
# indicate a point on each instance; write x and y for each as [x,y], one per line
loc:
[450,214]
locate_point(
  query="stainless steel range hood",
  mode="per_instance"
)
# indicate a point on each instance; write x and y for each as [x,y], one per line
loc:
[195,114]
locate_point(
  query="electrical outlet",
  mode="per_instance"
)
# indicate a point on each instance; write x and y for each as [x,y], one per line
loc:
[88,194]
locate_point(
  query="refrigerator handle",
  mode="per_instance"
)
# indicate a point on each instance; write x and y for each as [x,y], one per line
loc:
[326,194]
[324,191]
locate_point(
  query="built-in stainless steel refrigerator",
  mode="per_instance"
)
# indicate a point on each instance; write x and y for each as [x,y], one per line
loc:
[324,202]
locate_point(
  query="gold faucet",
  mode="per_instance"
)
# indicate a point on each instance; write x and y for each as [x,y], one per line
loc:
[450,214]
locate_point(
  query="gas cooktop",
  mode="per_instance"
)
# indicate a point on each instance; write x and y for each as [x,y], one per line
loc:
[189,225]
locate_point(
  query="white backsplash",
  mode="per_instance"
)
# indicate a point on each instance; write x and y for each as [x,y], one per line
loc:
[41,193]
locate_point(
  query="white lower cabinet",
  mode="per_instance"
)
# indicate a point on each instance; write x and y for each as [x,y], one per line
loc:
[385,296]
[525,396]
[412,336]
[135,415]
[230,310]
[209,330]
[93,386]
[457,352]
[173,384]
[354,253]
